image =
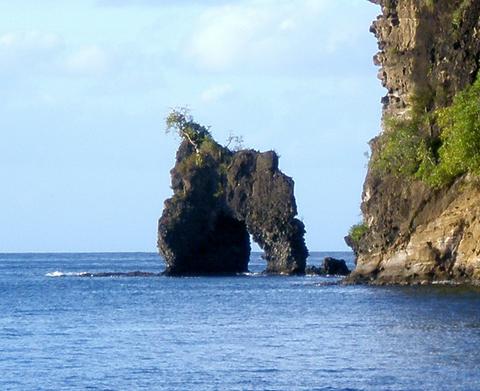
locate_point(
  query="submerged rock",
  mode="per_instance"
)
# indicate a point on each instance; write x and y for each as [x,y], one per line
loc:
[312,270]
[220,199]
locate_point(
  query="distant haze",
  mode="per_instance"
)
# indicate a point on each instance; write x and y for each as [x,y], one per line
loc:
[85,86]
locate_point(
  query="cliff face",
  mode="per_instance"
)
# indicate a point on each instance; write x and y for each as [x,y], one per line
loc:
[416,232]
[220,198]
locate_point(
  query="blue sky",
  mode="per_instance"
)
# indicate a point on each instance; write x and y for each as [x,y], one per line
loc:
[85,86]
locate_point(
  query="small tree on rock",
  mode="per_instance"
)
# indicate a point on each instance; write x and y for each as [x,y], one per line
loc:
[181,122]
[237,142]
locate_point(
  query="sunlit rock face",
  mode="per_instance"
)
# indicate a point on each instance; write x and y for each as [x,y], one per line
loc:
[429,52]
[221,198]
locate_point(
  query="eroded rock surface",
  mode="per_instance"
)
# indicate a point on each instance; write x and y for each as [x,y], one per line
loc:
[220,199]
[429,50]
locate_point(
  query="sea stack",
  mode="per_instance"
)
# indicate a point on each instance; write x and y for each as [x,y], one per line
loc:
[421,198]
[221,198]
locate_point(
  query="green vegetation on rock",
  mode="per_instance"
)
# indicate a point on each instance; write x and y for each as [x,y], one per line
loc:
[181,122]
[459,12]
[357,232]
[459,152]
[400,148]
[198,136]
[408,150]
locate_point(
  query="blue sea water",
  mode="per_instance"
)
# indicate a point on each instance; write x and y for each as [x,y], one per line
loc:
[249,332]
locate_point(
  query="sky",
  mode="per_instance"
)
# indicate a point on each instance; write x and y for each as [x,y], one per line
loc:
[85,86]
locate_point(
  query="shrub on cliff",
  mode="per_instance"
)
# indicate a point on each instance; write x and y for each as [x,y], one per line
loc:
[400,145]
[460,124]
[458,149]
[357,232]
[406,150]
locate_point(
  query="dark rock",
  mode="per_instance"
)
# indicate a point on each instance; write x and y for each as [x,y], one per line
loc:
[352,244]
[314,271]
[222,197]
[336,267]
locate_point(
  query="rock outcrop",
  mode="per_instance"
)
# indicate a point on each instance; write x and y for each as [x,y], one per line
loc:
[220,199]
[331,267]
[416,233]
[336,267]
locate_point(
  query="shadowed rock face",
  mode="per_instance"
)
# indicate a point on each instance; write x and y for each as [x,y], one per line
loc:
[220,199]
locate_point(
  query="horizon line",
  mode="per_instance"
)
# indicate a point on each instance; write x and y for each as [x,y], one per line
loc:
[135,252]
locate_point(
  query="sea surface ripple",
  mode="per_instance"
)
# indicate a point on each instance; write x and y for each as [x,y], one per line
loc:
[62,328]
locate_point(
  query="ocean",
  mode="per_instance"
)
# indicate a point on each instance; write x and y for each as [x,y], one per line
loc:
[62,331]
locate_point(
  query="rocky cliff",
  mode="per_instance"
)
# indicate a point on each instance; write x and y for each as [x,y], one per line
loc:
[421,198]
[221,197]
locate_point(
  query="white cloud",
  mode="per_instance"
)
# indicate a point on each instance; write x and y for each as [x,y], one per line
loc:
[267,34]
[88,60]
[216,92]
[40,69]
[288,25]
[31,57]
[253,32]
[46,53]
[26,53]
[30,40]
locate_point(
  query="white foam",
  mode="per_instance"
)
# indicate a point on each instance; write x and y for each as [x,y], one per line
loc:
[251,274]
[57,273]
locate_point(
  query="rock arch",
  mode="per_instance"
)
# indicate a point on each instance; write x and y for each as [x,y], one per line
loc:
[220,197]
